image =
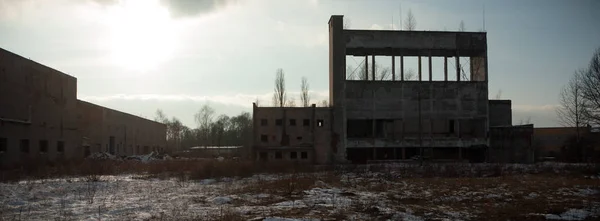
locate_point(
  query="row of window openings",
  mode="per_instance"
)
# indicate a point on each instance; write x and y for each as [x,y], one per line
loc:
[279,122]
[24,146]
[265,138]
[279,155]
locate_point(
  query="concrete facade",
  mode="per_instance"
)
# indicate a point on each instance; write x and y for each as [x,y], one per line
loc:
[301,134]
[500,113]
[40,114]
[512,144]
[37,111]
[383,120]
[106,130]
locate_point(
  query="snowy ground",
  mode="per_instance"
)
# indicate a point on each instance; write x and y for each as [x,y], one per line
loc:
[310,196]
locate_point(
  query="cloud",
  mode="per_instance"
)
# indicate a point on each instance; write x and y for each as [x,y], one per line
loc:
[236,99]
[384,27]
[549,107]
[185,8]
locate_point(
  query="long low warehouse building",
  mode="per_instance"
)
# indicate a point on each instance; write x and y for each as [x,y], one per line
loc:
[41,118]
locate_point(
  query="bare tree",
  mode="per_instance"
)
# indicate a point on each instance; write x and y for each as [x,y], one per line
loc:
[411,22]
[572,105]
[304,96]
[160,116]
[324,103]
[347,23]
[280,96]
[590,89]
[291,102]
[204,119]
[499,94]
[382,73]
[526,121]
[461,26]
[409,74]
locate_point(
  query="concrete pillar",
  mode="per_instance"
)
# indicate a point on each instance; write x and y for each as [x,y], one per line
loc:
[393,68]
[445,68]
[366,67]
[401,68]
[337,68]
[420,68]
[457,68]
[404,153]
[373,67]
[430,71]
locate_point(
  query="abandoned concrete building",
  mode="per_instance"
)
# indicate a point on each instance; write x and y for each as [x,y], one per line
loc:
[373,119]
[42,119]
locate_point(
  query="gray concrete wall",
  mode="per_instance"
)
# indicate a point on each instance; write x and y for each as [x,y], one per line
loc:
[413,43]
[132,134]
[37,104]
[500,113]
[400,100]
[511,144]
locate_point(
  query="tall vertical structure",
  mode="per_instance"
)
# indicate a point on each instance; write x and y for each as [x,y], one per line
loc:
[376,119]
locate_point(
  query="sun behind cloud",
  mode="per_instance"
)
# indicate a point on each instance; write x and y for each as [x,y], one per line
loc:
[142,34]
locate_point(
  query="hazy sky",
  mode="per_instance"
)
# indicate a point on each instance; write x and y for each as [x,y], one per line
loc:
[140,55]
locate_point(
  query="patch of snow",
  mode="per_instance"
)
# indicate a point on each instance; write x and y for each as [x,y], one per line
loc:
[532,195]
[208,181]
[286,219]
[406,217]
[572,214]
[220,200]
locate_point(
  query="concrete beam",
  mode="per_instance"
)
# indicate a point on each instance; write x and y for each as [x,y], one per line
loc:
[414,43]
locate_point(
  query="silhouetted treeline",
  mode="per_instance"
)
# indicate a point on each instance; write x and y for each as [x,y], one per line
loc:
[210,131]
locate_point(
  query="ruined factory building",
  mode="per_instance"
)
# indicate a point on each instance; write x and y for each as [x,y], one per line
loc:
[42,120]
[395,118]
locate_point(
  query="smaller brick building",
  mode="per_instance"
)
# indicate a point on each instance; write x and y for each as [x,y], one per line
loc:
[301,134]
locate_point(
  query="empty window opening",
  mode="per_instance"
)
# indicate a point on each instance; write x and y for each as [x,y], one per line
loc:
[477,65]
[306,122]
[43,146]
[293,155]
[359,128]
[278,122]
[278,155]
[3,145]
[299,138]
[86,151]
[384,128]
[411,66]
[355,68]
[263,155]
[24,146]
[319,123]
[304,155]
[451,126]
[263,122]
[264,138]
[383,68]
[292,122]
[437,68]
